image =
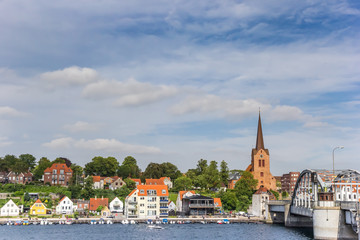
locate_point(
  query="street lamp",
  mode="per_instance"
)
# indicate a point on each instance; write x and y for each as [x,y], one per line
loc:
[338,147]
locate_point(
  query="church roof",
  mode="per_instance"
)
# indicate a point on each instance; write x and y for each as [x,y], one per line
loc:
[259,137]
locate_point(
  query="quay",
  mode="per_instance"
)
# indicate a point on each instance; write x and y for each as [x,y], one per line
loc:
[191,220]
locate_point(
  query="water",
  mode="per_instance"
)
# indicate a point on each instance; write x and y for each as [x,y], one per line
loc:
[140,231]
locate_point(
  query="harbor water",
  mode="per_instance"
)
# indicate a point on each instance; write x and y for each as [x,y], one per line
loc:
[142,231]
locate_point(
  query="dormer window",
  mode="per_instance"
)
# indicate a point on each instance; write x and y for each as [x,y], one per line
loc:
[163,191]
[142,191]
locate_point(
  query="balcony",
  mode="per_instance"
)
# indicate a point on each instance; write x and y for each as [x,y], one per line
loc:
[164,200]
[164,207]
[164,214]
[132,206]
[198,205]
[132,201]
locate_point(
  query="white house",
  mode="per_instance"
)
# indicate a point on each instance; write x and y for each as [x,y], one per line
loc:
[171,206]
[10,209]
[259,200]
[65,206]
[147,201]
[116,206]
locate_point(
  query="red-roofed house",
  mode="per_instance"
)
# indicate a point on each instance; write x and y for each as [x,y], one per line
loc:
[162,181]
[58,174]
[217,204]
[114,182]
[147,201]
[96,202]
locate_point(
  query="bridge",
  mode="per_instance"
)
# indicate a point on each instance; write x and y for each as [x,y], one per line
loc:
[326,200]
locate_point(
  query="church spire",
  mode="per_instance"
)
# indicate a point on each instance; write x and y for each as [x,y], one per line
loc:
[259,138]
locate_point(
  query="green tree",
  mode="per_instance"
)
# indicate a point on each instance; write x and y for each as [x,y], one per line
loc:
[38,171]
[88,190]
[284,194]
[276,194]
[201,166]
[130,184]
[29,159]
[77,174]
[100,166]
[212,175]
[170,170]
[26,197]
[153,170]
[244,189]
[183,183]
[229,200]
[224,172]
[129,168]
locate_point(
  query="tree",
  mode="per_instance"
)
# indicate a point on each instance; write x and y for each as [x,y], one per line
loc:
[88,190]
[201,166]
[229,200]
[100,166]
[170,170]
[19,166]
[130,184]
[224,172]
[62,160]
[212,175]
[276,194]
[129,168]
[153,170]
[183,183]
[29,159]
[77,174]
[244,189]
[43,164]
[27,197]
[246,185]
[284,195]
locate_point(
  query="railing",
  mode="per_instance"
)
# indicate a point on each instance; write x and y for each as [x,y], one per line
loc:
[349,205]
[164,214]
[132,202]
[196,205]
[164,200]
[164,207]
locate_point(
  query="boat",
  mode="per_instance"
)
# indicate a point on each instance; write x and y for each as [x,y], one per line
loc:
[93,222]
[154,226]
[26,222]
[125,221]
[68,221]
[109,222]
[226,221]
[17,223]
[132,222]
[203,222]
[220,222]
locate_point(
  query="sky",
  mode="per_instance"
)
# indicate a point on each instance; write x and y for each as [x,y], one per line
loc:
[178,81]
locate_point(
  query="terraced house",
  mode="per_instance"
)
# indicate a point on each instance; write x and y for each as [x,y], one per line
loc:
[147,201]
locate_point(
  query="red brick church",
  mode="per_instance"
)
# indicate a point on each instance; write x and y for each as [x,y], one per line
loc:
[260,162]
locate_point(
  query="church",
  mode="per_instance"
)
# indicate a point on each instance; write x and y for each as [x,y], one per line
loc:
[260,162]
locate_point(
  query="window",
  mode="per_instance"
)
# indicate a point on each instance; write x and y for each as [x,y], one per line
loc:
[142,191]
[261,174]
[61,171]
[54,171]
[142,198]
[263,163]
[163,191]
[259,162]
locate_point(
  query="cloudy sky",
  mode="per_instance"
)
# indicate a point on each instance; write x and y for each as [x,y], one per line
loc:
[181,80]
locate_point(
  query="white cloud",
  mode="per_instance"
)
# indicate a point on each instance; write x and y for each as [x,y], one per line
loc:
[10,112]
[81,126]
[101,144]
[71,76]
[129,92]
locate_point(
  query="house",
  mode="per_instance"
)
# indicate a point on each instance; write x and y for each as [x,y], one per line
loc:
[82,206]
[38,208]
[172,208]
[58,174]
[105,212]
[116,206]
[147,201]
[20,178]
[233,178]
[118,183]
[180,196]
[112,183]
[137,181]
[259,201]
[10,209]
[197,205]
[217,204]
[65,206]
[161,181]
[96,202]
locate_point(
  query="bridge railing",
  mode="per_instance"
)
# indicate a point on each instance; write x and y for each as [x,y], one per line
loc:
[349,205]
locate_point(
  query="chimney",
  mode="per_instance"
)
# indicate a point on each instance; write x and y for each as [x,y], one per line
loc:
[102,197]
[95,197]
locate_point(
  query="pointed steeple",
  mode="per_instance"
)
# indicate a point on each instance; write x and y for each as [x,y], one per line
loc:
[259,138]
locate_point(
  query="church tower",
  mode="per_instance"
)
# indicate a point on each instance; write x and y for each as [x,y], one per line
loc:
[260,162]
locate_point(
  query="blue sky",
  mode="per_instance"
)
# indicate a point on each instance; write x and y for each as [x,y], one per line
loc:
[181,80]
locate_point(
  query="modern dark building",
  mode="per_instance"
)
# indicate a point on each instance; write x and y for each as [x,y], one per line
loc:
[197,205]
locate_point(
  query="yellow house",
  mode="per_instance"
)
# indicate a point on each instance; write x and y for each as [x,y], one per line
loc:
[38,208]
